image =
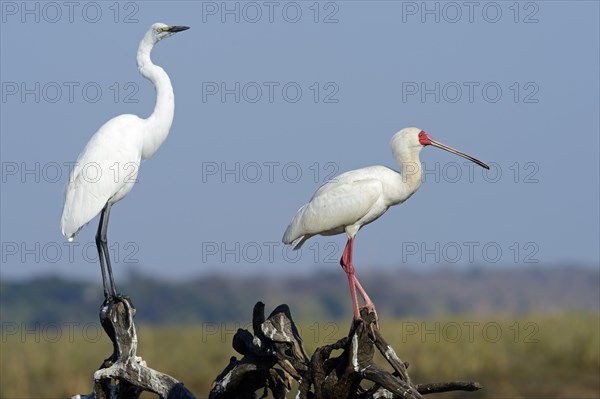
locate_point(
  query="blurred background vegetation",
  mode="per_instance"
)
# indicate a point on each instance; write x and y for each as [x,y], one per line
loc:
[521,332]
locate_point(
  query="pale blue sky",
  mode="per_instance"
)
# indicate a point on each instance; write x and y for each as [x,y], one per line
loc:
[186,218]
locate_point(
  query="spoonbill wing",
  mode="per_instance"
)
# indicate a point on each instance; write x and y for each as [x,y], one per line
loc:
[337,204]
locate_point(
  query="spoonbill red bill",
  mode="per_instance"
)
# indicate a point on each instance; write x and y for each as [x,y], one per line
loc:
[358,197]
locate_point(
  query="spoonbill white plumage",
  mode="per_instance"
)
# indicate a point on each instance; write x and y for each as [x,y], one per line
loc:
[114,153]
[358,197]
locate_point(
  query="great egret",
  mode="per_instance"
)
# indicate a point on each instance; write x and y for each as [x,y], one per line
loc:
[107,168]
[356,198]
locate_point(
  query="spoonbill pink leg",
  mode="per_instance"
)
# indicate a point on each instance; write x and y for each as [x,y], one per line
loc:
[368,302]
[346,263]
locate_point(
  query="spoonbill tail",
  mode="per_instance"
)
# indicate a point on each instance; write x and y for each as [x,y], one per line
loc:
[107,168]
[356,198]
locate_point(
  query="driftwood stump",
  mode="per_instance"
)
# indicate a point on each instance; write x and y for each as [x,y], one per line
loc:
[274,356]
[124,374]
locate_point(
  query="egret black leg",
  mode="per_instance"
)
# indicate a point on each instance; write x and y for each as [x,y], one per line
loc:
[101,254]
[103,241]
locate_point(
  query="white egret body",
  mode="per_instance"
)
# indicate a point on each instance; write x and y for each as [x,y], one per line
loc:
[358,197]
[108,166]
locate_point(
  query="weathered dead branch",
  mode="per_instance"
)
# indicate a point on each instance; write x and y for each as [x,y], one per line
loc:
[274,356]
[124,374]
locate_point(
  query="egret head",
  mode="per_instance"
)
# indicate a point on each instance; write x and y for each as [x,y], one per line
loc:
[159,31]
[414,139]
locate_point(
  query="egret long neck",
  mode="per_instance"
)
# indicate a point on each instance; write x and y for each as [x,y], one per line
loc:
[159,123]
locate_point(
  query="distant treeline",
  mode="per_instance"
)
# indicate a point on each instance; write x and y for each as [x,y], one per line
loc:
[322,296]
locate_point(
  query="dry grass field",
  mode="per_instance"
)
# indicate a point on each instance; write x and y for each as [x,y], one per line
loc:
[550,356]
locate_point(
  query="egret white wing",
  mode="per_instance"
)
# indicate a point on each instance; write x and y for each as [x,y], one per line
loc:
[106,170]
